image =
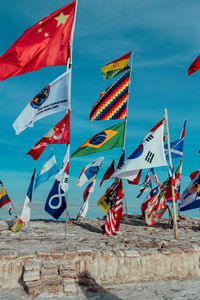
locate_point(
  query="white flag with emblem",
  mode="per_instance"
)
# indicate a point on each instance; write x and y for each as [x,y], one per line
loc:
[54,98]
[149,154]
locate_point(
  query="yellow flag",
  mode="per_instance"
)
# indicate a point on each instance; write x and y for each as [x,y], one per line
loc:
[17,226]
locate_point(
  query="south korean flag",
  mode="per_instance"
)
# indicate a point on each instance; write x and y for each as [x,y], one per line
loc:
[56,203]
[149,154]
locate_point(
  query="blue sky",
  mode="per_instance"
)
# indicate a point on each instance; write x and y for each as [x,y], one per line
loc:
[165,39]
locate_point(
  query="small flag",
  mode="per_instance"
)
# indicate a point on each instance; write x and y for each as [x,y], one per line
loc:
[56,203]
[116,66]
[26,211]
[150,153]
[47,43]
[136,179]
[154,176]
[90,188]
[83,210]
[194,66]
[112,103]
[54,98]
[59,134]
[105,140]
[49,169]
[63,175]
[4,199]
[89,171]
[10,211]
[146,186]
[108,173]
[17,226]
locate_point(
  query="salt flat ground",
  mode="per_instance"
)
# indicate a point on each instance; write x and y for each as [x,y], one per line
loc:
[159,290]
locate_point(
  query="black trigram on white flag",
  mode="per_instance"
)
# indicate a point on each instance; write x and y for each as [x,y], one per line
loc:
[149,138]
[149,157]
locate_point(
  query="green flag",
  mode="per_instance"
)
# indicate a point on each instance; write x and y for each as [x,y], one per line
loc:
[105,140]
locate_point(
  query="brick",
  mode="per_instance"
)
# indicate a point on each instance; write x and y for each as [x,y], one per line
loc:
[49,275]
[70,273]
[53,287]
[69,286]
[49,266]
[32,266]
[34,289]
[31,276]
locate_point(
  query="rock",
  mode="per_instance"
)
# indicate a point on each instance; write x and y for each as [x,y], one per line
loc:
[3,225]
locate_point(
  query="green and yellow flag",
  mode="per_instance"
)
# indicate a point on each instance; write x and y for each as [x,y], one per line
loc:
[105,140]
[116,66]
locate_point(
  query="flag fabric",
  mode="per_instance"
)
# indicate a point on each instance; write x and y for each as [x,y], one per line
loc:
[4,199]
[112,103]
[17,226]
[54,98]
[104,202]
[157,205]
[55,203]
[193,174]
[49,169]
[194,66]
[26,211]
[109,172]
[63,176]
[116,211]
[150,153]
[176,182]
[121,160]
[59,134]
[116,66]
[105,140]
[83,210]
[89,171]
[89,189]
[10,211]
[47,43]
[190,198]
[136,179]
[151,194]
[146,186]
[183,130]
[154,176]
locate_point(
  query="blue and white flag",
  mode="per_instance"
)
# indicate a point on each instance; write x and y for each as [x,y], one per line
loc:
[56,203]
[176,149]
[63,175]
[55,97]
[26,211]
[89,171]
[190,198]
[49,168]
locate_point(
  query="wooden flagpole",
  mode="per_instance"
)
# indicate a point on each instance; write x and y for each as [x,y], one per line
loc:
[126,119]
[170,161]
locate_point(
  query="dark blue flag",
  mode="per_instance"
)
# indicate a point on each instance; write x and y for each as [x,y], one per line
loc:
[55,204]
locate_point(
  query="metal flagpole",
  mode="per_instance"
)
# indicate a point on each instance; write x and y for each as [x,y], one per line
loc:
[126,119]
[69,65]
[170,161]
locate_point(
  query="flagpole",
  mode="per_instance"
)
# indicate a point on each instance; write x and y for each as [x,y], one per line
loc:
[126,120]
[67,198]
[170,161]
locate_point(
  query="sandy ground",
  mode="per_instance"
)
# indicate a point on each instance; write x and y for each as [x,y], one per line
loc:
[50,237]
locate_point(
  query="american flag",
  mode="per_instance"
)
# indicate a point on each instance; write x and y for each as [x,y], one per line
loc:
[116,210]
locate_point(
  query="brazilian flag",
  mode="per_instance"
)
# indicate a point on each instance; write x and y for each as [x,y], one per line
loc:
[105,140]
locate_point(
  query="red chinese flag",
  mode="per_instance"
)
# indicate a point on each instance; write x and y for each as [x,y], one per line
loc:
[59,134]
[47,43]
[194,66]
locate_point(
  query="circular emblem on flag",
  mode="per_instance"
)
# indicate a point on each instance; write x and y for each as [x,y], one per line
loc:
[137,152]
[98,138]
[40,98]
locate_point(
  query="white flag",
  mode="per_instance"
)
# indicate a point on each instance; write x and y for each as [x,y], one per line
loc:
[26,211]
[54,98]
[63,175]
[149,154]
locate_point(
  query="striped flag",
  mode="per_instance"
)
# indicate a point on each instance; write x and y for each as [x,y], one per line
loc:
[112,104]
[146,186]
[116,211]
[4,199]
[109,172]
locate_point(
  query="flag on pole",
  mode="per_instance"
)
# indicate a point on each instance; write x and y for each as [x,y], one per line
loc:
[63,176]
[194,66]
[54,98]
[112,103]
[190,198]
[83,210]
[150,153]
[108,173]
[105,140]
[26,211]
[90,188]
[59,134]
[47,43]
[49,168]
[104,202]
[146,186]
[4,199]
[116,66]
[136,179]
[154,176]
[55,203]
[89,171]
[151,194]
[17,226]
[116,211]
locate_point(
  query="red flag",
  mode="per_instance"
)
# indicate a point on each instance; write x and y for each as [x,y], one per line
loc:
[194,66]
[108,172]
[59,134]
[47,43]
[137,179]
